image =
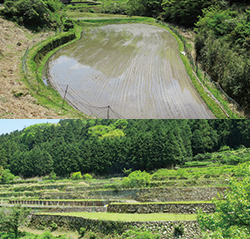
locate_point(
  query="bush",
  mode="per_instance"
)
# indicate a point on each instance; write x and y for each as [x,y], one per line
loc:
[35,14]
[92,235]
[82,232]
[76,176]
[179,230]
[68,24]
[6,176]
[137,179]
[224,148]
[87,176]
[138,234]
[53,226]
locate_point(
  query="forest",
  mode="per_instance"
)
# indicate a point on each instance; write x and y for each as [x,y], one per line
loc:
[107,147]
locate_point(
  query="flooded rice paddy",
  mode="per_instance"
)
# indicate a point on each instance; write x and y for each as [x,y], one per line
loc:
[135,69]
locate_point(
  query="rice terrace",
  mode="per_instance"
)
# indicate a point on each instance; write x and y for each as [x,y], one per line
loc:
[134,68]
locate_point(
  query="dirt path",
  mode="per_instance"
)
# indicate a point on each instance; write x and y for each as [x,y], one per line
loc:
[15,100]
[136,69]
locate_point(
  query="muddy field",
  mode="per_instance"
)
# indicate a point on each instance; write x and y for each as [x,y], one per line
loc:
[135,69]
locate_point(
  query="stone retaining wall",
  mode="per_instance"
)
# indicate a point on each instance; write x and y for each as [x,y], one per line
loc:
[62,209]
[165,228]
[59,203]
[163,194]
[161,208]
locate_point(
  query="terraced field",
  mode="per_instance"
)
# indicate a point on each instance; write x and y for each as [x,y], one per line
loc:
[171,198]
[135,69]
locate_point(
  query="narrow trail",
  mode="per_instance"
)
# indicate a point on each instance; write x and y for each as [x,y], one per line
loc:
[134,68]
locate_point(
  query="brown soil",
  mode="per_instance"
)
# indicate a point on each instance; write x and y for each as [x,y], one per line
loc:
[15,99]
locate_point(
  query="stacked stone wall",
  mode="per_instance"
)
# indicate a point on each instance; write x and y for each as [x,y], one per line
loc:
[162,208]
[165,228]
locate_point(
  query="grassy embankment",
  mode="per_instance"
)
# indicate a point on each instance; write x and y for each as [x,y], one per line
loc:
[46,95]
[128,217]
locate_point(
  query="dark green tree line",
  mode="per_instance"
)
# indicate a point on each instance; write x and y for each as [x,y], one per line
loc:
[79,145]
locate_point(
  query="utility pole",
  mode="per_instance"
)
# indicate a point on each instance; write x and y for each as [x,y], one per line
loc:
[108,112]
[65,94]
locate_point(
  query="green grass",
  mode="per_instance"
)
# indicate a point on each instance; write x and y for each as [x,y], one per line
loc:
[46,95]
[73,14]
[177,202]
[129,217]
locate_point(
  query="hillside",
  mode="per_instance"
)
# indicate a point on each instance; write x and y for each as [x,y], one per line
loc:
[15,99]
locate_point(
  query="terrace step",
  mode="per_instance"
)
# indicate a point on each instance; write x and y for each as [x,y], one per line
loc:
[176,208]
[73,203]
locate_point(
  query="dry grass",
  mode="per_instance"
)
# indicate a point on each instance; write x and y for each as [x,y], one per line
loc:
[15,100]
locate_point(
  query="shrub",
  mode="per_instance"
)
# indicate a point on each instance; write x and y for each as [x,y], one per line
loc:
[76,176]
[52,176]
[224,148]
[137,179]
[68,24]
[92,235]
[53,226]
[87,176]
[82,231]
[6,176]
[35,14]
[138,234]
[179,230]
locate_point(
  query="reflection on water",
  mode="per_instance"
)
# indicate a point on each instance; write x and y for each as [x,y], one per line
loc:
[136,69]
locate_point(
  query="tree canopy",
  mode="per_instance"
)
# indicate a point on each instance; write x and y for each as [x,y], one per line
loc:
[108,146]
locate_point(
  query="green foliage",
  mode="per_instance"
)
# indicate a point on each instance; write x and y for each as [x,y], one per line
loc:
[222,46]
[76,176]
[144,7]
[34,14]
[6,176]
[112,131]
[52,175]
[82,231]
[26,235]
[179,230]
[53,226]
[118,8]
[127,171]
[12,218]
[68,24]
[184,12]
[92,235]
[140,234]
[74,146]
[87,176]
[137,179]
[231,219]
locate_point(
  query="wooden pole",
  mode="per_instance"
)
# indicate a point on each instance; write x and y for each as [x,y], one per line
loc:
[65,94]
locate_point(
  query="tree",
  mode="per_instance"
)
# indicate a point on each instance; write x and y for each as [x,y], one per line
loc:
[232,216]
[184,12]
[12,218]
[144,7]
[5,175]
[33,13]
